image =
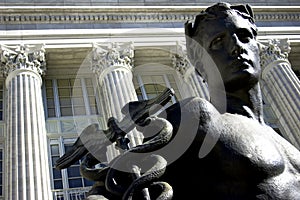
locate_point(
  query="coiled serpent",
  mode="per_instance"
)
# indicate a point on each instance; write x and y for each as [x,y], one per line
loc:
[134,161]
[136,168]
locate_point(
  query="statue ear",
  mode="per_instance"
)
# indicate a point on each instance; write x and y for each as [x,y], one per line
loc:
[188,27]
[244,9]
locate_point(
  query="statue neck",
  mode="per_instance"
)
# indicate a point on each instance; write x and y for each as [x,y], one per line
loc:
[246,102]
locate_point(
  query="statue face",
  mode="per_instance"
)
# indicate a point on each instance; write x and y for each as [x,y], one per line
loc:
[233,47]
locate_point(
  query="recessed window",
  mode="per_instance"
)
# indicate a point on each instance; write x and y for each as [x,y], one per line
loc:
[1,99]
[70,97]
[69,177]
[1,172]
[149,86]
[56,175]
[75,179]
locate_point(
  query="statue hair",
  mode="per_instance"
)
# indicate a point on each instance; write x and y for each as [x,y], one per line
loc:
[219,10]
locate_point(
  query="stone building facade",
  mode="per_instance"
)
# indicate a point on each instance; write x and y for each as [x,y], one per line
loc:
[65,65]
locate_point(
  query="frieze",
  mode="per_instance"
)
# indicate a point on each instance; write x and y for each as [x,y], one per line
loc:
[98,18]
[120,15]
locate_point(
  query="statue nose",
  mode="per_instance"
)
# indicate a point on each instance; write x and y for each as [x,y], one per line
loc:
[236,46]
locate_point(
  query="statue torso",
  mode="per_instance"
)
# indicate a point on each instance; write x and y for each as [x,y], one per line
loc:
[248,161]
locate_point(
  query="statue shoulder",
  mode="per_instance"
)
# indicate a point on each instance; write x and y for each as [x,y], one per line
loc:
[199,104]
[195,108]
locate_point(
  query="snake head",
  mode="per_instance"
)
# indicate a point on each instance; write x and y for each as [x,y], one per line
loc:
[117,134]
[137,114]
[139,111]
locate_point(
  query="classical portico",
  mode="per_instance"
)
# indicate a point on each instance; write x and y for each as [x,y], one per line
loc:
[27,168]
[26,158]
[73,30]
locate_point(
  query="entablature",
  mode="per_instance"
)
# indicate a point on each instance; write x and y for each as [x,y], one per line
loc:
[61,17]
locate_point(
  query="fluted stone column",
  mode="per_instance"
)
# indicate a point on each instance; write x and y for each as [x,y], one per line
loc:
[193,85]
[282,87]
[113,67]
[26,167]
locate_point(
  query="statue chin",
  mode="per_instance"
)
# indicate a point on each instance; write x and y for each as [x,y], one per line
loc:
[242,80]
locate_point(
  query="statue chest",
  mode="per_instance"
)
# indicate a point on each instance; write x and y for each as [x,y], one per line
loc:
[246,148]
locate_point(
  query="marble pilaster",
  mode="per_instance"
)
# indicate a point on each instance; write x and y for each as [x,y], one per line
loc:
[27,168]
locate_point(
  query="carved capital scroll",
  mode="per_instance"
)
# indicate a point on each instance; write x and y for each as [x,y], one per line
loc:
[180,63]
[180,60]
[22,57]
[114,56]
[275,50]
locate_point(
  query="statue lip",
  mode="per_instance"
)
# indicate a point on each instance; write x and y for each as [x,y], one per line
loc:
[241,64]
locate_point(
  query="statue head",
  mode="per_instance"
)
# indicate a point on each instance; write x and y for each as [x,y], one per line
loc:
[226,36]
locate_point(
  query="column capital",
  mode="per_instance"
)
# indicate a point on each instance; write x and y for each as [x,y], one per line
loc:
[276,50]
[109,57]
[181,62]
[22,57]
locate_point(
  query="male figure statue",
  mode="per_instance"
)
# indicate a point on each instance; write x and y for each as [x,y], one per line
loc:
[248,159]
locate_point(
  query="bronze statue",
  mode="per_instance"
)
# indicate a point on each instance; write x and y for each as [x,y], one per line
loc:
[243,158]
[249,160]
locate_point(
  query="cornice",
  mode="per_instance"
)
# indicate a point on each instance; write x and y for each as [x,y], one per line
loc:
[16,15]
[126,14]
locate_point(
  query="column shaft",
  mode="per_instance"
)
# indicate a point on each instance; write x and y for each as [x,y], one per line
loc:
[113,68]
[27,169]
[282,88]
[198,87]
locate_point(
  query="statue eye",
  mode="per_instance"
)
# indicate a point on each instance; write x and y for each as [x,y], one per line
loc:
[244,35]
[217,43]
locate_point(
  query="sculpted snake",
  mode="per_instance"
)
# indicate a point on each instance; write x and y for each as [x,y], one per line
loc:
[127,175]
